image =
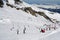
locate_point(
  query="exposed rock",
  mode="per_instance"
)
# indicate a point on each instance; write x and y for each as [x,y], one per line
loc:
[18,8]
[10,5]
[17,1]
[1,3]
[33,12]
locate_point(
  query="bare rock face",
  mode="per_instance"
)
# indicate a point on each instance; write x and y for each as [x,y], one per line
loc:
[12,6]
[1,3]
[45,16]
[6,0]
[17,1]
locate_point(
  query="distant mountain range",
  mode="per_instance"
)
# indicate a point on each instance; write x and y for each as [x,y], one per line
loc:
[53,8]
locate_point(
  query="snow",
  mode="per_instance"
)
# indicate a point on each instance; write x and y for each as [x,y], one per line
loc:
[48,6]
[5,21]
[12,20]
[48,13]
[55,35]
[11,1]
[54,16]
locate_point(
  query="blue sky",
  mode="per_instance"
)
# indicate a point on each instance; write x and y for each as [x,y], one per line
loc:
[43,1]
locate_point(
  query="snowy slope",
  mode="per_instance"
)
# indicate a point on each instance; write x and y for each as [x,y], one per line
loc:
[17,20]
[55,35]
[20,25]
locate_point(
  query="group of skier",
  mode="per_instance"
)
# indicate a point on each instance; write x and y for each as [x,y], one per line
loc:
[48,27]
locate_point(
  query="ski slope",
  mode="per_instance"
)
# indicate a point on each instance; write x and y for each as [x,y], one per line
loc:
[18,20]
[13,24]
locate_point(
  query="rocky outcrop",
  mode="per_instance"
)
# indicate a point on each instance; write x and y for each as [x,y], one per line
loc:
[17,1]
[12,6]
[33,12]
[1,3]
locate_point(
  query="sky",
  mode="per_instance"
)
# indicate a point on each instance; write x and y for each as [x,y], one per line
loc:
[43,1]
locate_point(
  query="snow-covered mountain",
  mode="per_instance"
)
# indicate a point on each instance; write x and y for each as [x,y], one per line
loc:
[52,8]
[22,21]
[48,6]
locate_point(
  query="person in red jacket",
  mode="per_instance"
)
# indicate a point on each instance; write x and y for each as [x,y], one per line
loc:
[43,30]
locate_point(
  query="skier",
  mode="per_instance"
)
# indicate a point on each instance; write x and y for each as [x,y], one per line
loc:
[24,30]
[17,31]
[43,30]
